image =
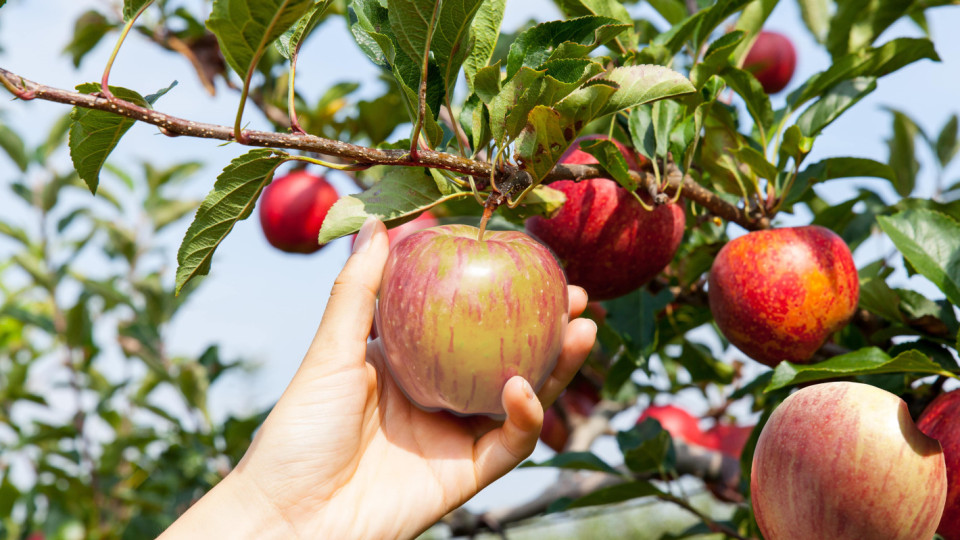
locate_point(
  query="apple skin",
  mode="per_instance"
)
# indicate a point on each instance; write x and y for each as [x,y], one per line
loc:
[292,209]
[728,439]
[608,243]
[681,425]
[779,294]
[577,400]
[845,461]
[458,317]
[941,420]
[772,60]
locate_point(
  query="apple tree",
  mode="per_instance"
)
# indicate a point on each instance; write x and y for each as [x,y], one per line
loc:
[645,151]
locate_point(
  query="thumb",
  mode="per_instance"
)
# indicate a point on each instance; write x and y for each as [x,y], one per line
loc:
[502,449]
[341,340]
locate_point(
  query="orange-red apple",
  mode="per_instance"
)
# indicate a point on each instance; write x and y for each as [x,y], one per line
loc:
[680,424]
[292,209]
[779,294]
[772,60]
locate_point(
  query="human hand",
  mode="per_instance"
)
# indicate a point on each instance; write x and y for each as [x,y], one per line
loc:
[344,454]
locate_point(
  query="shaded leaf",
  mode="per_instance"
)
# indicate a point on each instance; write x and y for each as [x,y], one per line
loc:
[838,167]
[834,103]
[131,7]
[554,40]
[903,158]
[582,461]
[617,493]
[290,41]
[14,147]
[244,28]
[232,199]
[948,142]
[89,29]
[484,31]
[611,159]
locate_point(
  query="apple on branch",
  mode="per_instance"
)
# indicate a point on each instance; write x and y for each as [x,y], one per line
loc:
[292,210]
[608,242]
[779,294]
[458,316]
[772,60]
[680,424]
[845,461]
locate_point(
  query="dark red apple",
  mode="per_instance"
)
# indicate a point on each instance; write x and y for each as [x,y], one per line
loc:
[459,316]
[845,461]
[941,420]
[779,294]
[729,439]
[772,60]
[608,243]
[577,401]
[292,209]
[681,425]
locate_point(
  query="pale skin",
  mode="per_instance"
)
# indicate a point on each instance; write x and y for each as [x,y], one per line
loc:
[344,454]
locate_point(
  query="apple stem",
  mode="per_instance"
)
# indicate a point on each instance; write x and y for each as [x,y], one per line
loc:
[487,212]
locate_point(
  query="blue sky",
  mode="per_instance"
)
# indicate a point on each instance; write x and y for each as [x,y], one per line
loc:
[264,305]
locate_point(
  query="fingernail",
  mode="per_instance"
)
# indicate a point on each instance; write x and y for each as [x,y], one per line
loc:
[364,236]
[528,390]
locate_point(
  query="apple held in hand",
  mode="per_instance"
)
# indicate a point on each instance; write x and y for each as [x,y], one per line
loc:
[941,420]
[292,209]
[772,60]
[845,461]
[608,243]
[458,317]
[779,294]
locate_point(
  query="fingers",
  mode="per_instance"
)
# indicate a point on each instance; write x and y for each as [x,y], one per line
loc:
[578,340]
[341,339]
[502,449]
[578,300]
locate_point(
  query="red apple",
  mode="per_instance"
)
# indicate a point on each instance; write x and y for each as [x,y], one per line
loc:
[772,60]
[459,316]
[845,461]
[577,400]
[681,425]
[292,209]
[727,438]
[779,294]
[941,420]
[608,243]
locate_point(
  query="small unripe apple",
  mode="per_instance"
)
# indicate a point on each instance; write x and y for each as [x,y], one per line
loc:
[292,209]
[459,316]
[608,242]
[845,461]
[772,60]
[941,420]
[779,294]
[681,425]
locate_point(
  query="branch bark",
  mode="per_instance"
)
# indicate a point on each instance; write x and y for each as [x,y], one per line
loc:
[174,126]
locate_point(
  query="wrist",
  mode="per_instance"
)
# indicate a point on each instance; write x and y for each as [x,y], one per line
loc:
[232,509]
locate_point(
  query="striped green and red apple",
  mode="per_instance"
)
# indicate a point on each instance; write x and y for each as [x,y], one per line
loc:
[458,316]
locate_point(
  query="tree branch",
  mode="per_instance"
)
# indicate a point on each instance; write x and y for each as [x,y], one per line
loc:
[173,126]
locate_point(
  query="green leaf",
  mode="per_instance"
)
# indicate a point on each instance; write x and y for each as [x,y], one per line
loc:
[673,11]
[816,16]
[581,461]
[642,131]
[402,194]
[876,62]
[484,32]
[947,142]
[617,493]
[750,22]
[876,296]
[606,8]
[13,145]
[702,366]
[903,158]
[89,29]
[132,7]
[868,361]
[289,41]
[749,88]
[94,134]
[857,23]
[244,28]
[9,494]
[698,26]
[716,58]
[541,143]
[756,161]
[930,242]
[666,115]
[646,447]
[232,199]
[553,40]
[612,161]
[834,103]
[838,167]
[643,84]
